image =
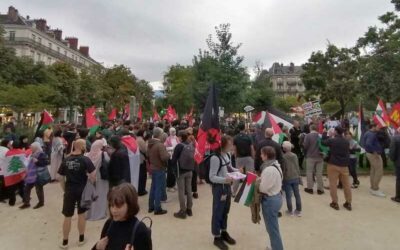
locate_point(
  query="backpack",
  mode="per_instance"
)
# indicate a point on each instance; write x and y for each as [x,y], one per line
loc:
[104,168]
[186,158]
[205,169]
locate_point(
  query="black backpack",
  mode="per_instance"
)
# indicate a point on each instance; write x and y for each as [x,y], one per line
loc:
[205,167]
[186,158]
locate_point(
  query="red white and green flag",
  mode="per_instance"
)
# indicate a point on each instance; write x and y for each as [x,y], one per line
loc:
[381,118]
[14,166]
[45,122]
[92,123]
[245,194]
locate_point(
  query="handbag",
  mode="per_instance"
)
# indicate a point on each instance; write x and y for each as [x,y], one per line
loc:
[104,168]
[42,176]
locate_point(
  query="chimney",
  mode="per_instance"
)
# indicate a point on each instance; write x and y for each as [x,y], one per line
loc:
[12,14]
[84,50]
[41,24]
[58,34]
[73,42]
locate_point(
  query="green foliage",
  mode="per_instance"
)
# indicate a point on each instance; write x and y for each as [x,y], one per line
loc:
[285,103]
[330,107]
[260,94]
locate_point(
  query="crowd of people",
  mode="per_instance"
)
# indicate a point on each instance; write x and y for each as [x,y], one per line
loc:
[120,155]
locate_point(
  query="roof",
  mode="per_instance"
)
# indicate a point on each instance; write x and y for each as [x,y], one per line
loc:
[5,20]
[280,69]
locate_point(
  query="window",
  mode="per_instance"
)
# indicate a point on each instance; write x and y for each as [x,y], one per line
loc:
[50,45]
[12,35]
[34,37]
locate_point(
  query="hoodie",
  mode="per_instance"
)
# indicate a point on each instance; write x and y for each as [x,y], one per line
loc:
[158,155]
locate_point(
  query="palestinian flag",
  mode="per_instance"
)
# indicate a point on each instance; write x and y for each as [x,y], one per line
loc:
[134,158]
[14,166]
[91,120]
[140,114]
[45,121]
[361,127]
[259,118]
[381,118]
[209,136]
[113,115]
[245,194]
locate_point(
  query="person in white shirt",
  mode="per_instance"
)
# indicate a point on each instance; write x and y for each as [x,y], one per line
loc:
[270,188]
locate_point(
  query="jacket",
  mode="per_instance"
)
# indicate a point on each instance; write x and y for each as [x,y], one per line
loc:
[339,150]
[268,142]
[158,154]
[292,170]
[311,147]
[371,143]
[255,205]
[394,152]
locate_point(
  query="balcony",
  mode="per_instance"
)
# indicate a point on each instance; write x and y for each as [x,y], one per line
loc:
[23,41]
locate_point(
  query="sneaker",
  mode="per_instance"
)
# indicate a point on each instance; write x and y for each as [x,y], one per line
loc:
[309,190]
[180,215]
[160,212]
[39,205]
[320,192]
[227,238]
[289,213]
[24,206]
[354,185]
[63,246]
[347,206]
[171,190]
[219,242]
[150,211]
[165,201]
[189,212]
[377,193]
[81,243]
[297,213]
[395,199]
[195,195]
[143,193]
[334,205]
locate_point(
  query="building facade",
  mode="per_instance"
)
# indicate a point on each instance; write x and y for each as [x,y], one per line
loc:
[34,38]
[286,80]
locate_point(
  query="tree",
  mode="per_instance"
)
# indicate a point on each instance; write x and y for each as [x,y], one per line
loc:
[221,65]
[285,103]
[260,95]
[332,75]
[380,58]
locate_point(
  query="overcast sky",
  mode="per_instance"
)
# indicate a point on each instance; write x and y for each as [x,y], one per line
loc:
[150,35]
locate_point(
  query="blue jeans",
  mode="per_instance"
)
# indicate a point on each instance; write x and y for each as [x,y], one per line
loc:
[270,208]
[156,191]
[292,186]
[220,209]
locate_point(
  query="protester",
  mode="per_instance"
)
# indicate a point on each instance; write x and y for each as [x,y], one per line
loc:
[270,188]
[158,158]
[291,179]
[37,160]
[57,153]
[374,151]
[314,161]
[23,140]
[74,172]
[337,169]
[18,187]
[221,190]
[354,148]
[118,168]
[98,209]
[123,225]
[83,134]
[143,159]
[395,157]
[170,143]
[269,133]
[5,144]
[196,170]
[183,160]
[295,133]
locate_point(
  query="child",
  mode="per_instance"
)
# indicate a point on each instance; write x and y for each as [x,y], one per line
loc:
[291,179]
[118,231]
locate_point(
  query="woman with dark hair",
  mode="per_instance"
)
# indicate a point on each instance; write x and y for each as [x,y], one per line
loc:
[123,230]
[23,140]
[119,168]
[57,153]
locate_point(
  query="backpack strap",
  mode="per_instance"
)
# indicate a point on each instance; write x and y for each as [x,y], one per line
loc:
[277,170]
[136,226]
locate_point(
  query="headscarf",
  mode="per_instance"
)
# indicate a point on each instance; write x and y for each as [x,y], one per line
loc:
[96,152]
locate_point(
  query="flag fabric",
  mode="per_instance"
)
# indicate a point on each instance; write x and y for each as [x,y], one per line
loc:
[45,121]
[259,118]
[189,117]
[381,118]
[395,115]
[245,194]
[134,158]
[362,126]
[92,123]
[156,116]
[140,114]
[113,115]
[208,136]
[126,116]
[170,115]
[14,166]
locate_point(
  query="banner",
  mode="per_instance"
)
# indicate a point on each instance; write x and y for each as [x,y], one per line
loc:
[312,109]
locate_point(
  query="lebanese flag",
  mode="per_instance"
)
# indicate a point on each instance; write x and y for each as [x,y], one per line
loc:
[113,115]
[245,194]
[134,158]
[395,115]
[381,118]
[209,136]
[14,166]
[156,116]
[140,114]
[126,115]
[92,123]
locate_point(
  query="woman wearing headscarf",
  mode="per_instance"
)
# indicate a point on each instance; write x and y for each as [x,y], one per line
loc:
[171,142]
[37,160]
[57,152]
[98,209]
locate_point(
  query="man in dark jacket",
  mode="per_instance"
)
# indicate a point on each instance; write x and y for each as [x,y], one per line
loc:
[374,150]
[295,133]
[338,161]
[118,169]
[269,133]
[395,157]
